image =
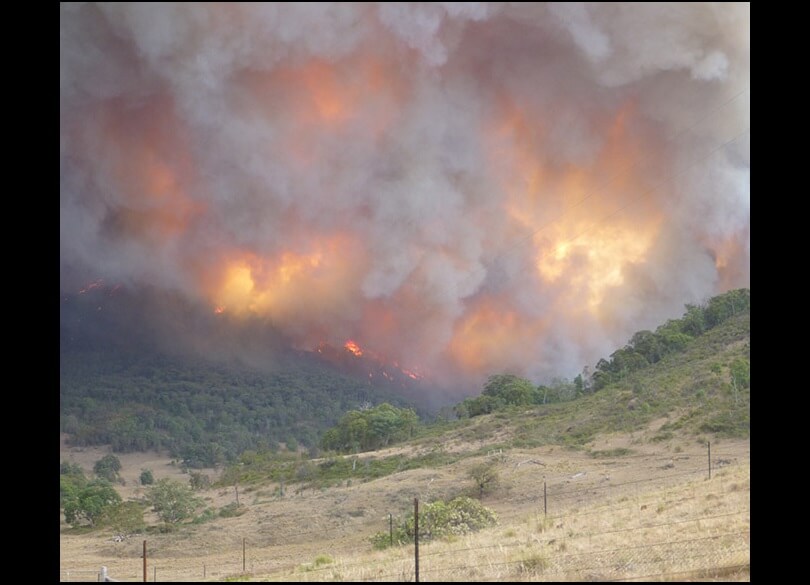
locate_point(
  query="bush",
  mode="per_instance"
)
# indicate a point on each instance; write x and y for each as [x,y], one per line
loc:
[440,519]
[146,477]
[199,481]
[231,510]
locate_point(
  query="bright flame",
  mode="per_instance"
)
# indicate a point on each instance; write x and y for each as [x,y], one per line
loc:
[353,347]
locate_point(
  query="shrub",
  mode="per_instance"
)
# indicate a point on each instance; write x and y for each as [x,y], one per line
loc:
[440,519]
[108,467]
[146,477]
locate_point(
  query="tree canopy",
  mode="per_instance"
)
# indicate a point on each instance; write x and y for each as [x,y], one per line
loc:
[172,501]
[371,428]
[89,503]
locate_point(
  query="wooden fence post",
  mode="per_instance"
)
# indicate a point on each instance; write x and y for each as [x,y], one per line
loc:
[416,536]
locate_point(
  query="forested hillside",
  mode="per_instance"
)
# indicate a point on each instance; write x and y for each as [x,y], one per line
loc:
[119,387]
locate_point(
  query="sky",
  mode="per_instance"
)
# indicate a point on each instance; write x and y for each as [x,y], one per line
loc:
[465,188]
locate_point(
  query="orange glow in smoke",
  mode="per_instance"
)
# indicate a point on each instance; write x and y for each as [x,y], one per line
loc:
[290,286]
[587,223]
[492,335]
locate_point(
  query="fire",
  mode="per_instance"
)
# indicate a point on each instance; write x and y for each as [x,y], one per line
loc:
[219,309]
[592,262]
[353,347]
[587,223]
[289,285]
[412,374]
[95,284]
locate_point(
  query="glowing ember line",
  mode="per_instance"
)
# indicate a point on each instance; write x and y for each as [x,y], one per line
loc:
[95,284]
[411,374]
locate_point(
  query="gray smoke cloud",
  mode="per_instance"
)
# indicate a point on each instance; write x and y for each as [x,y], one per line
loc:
[467,188]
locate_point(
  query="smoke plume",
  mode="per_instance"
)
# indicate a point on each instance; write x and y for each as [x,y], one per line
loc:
[467,188]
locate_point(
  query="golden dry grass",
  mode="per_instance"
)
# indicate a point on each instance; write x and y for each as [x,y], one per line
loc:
[651,514]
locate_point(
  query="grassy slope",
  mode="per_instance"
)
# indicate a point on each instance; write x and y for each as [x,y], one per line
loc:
[685,394]
[692,389]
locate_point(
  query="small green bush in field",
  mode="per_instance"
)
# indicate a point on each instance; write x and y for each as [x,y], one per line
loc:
[147,478]
[461,515]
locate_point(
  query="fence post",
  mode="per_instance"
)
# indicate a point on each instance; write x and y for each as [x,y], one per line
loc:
[709,444]
[154,574]
[144,561]
[203,570]
[545,500]
[416,536]
[102,575]
[243,554]
[391,528]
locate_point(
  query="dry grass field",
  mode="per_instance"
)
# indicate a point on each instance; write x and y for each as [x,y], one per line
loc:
[625,508]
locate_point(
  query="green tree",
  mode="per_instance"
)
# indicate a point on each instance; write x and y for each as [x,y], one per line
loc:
[71,469]
[371,428]
[694,321]
[71,480]
[510,389]
[146,477]
[482,405]
[292,443]
[740,376]
[741,373]
[485,476]
[727,305]
[648,344]
[90,502]
[108,467]
[125,517]
[579,386]
[172,501]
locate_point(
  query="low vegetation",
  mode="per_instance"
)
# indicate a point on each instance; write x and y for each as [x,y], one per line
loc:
[437,520]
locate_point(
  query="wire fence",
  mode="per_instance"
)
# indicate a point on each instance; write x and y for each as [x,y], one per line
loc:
[576,539]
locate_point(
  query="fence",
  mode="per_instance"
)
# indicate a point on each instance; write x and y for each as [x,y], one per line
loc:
[593,530]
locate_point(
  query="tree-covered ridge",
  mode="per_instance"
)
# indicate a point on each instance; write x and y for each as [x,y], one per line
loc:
[644,349]
[203,413]
[703,389]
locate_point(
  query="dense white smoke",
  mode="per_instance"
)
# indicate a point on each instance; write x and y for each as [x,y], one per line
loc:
[467,188]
